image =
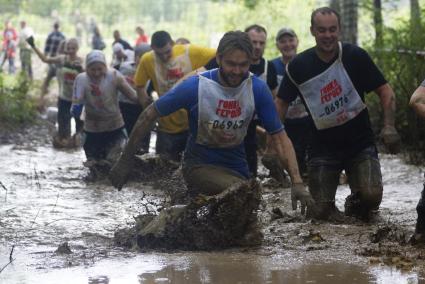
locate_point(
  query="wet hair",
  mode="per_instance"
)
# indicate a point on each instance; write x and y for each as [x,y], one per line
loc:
[235,40]
[160,39]
[257,28]
[325,10]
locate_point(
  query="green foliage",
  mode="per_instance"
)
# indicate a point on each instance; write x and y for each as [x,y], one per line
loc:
[404,68]
[16,106]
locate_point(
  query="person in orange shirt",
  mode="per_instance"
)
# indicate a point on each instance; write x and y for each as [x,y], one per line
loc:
[9,46]
[142,38]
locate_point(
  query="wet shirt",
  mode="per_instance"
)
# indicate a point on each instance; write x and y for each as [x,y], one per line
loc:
[147,70]
[100,101]
[67,71]
[185,95]
[356,134]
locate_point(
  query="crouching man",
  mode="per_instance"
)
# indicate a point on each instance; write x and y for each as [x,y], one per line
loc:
[220,105]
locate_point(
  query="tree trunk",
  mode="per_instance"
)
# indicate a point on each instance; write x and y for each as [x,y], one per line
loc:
[415,22]
[349,17]
[379,24]
[336,5]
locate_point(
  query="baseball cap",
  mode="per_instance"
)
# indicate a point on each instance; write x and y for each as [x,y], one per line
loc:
[285,31]
[95,56]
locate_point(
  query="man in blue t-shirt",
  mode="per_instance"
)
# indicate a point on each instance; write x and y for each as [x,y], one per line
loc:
[220,104]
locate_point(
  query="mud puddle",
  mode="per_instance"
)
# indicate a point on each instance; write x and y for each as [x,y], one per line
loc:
[45,204]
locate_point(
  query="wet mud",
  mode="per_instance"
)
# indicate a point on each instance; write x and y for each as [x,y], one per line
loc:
[205,223]
[62,226]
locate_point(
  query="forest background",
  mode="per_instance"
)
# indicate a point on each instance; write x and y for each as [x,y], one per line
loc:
[392,31]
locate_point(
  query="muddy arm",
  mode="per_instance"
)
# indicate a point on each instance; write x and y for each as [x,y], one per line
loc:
[282,108]
[387,98]
[143,97]
[127,90]
[417,101]
[389,134]
[282,145]
[145,123]
[44,58]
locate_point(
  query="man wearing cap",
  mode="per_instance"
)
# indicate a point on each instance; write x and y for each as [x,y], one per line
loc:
[297,122]
[332,79]
[220,104]
[165,65]
[97,90]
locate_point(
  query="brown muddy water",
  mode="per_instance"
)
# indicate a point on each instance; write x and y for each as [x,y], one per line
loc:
[45,203]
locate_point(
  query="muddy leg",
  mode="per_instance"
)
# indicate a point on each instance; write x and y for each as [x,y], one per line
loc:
[116,145]
[419,235]
[323,181]
[209,179]
[365,180]
[64,118]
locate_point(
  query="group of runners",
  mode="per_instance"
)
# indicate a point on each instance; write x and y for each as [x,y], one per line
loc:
[214,104]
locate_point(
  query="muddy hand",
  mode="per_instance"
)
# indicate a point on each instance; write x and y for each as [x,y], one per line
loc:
[299,192]
[119,173]
[391,139]
[30,41]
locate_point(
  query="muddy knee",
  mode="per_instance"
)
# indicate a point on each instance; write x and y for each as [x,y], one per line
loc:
[323,183]
[365,180]
[371,197]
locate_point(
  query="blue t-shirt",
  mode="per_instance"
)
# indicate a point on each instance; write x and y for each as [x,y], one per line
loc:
[185,95]
[279,66]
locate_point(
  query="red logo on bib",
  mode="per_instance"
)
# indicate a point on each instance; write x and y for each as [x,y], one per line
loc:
[230,109]
[331,90]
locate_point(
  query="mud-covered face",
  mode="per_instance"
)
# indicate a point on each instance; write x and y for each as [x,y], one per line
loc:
[287,45]
[326,31]
[258,40]
[96,71]
[164,53]
[234,67]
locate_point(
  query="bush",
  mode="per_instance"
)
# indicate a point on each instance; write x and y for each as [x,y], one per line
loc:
[16,105]
[404,68]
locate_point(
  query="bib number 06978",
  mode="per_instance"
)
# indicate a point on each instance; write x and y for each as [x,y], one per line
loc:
[335,105]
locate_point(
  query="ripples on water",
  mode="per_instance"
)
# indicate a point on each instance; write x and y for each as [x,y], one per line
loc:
[47,203]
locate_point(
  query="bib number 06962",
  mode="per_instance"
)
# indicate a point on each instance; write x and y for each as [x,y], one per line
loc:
[229,124]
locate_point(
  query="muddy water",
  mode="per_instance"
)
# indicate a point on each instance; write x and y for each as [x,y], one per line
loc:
[46,203]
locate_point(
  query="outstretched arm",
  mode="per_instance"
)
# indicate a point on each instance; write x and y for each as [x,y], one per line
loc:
[44,58]
[145,123]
